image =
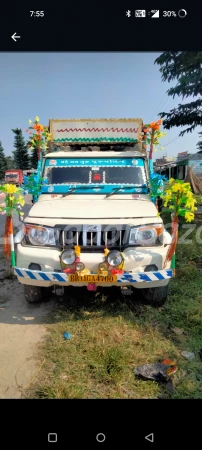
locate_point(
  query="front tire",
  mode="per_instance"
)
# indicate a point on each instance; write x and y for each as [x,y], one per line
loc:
[156,296]
[34,294]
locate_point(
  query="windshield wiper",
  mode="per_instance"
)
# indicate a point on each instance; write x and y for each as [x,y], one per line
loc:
[113,192]
[69,192]
[80,187]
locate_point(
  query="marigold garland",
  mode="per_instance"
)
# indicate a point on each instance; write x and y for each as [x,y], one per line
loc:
[13,201]
[179,199]
[153,134]
[39,136]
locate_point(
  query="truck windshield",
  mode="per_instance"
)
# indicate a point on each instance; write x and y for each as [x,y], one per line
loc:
[127,172]
[11,175]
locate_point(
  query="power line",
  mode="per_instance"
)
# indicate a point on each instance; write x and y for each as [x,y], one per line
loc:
[172,141]
[160,105]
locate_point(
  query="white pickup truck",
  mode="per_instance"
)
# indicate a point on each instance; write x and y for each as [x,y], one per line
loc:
[94,223]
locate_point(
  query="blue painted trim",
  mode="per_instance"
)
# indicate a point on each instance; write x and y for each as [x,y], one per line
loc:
[93,189]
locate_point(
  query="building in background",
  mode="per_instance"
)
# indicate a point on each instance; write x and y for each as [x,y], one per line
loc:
[173,167]
[177,167]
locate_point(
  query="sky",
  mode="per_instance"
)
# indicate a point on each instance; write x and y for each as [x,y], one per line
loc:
[85,85]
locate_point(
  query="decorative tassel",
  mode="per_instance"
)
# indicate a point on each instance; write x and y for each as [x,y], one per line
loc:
[91,287]
[7,233]
[173,245]
[173,262]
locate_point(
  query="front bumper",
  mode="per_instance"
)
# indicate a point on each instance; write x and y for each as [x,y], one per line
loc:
[140,280]
[135,262]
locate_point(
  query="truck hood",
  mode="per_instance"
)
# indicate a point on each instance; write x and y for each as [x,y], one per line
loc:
[93,209]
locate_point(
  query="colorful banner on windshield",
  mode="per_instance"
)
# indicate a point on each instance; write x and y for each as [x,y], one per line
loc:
[101,162]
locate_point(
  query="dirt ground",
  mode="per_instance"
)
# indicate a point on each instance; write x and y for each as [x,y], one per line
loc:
[21,329]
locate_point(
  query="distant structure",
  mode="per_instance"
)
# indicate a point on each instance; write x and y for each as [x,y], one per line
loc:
[29,172]
[177,167]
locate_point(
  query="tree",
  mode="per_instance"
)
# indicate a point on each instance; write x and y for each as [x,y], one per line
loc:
[199,144]
[186,68]
[21,156]
[10,162]
[3,163]
[34,158]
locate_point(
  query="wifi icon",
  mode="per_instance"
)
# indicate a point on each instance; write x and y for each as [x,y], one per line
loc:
[155,14]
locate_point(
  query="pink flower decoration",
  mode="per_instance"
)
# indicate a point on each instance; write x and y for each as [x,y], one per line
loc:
[68,270]
[2,195]
[91,287]
[2,213]
[116,271]
[2,205]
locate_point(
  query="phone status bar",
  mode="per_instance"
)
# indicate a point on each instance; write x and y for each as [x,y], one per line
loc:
[156,14]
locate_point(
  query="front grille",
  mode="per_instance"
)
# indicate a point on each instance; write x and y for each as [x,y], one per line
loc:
[115,237]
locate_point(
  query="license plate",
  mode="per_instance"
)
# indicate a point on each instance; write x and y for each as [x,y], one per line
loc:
[93,278]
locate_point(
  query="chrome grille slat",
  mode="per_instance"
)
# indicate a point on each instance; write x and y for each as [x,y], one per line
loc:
[120,237]
[94,237]
[84,238]
[98,238]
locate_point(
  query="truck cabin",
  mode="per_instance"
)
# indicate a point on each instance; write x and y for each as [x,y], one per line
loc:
[96,170]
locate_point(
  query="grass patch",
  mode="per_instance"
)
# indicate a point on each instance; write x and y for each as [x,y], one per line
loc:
[111,335]
[198,198]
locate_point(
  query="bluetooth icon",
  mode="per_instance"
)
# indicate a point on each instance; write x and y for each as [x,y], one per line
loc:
[128,13]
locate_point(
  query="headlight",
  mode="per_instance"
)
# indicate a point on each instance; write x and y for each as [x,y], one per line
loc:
[102,267]
[37,235]
[79,266]
[68,257]
[114,258]
[147,235]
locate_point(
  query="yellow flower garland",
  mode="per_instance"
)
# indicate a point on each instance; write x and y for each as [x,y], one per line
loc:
[77,250]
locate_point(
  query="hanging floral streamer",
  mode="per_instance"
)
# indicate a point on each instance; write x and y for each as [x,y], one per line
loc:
[157,183]
[33,185]
[13,202]
[39,137]
[153,134]
[179,199]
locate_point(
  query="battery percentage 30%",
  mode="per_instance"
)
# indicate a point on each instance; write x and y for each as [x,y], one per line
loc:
[169,14]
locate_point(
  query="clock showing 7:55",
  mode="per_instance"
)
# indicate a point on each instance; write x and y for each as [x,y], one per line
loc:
[36,13]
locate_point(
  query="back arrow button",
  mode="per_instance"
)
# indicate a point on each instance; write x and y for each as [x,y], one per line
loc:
[150,437]
[14,37]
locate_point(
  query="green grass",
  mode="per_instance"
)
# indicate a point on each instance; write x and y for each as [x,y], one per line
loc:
[198,198]
[111,335]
